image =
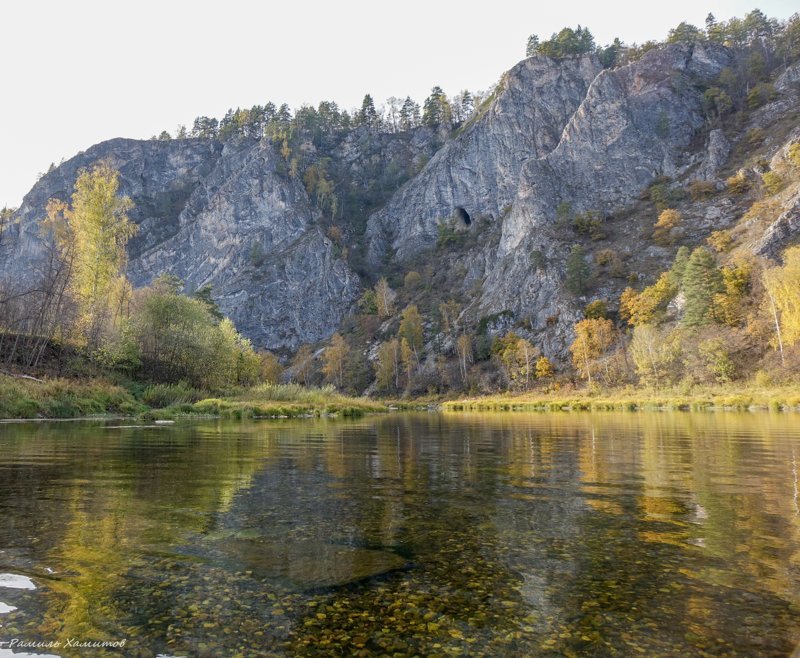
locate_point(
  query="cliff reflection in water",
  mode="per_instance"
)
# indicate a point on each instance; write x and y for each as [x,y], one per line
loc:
[514,534]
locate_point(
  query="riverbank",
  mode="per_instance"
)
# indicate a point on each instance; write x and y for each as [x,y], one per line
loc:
[68,398]
[732,398]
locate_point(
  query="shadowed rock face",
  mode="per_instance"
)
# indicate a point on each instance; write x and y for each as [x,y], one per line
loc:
[214,214]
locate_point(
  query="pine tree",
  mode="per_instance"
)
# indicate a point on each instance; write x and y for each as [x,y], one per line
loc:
[436,109]
[701,281]
[577,278]
[368,116]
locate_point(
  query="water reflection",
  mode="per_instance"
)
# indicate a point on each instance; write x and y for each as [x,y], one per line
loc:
[515,534]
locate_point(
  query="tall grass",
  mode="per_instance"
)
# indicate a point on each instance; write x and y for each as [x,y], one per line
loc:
[63,398]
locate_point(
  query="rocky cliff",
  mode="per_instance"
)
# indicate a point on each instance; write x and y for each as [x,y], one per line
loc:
[219,215]
[474,177]
[558,140]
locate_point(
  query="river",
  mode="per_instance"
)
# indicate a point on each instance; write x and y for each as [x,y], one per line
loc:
[576,534]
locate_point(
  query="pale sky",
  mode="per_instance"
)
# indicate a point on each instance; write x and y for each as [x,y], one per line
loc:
[77,72]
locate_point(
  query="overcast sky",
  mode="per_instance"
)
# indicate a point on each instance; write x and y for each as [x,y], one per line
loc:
[76,72]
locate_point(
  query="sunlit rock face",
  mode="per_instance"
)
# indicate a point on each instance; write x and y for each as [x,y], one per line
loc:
[478,173]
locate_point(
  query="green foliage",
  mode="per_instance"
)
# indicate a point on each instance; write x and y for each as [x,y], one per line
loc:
[590,224]
[99,230]
[761,94]
[448,236]
[701,281]
[538,259]
[160,396]
[662,195]
[773,182]
[566,43]
[368,303]
[61,398]
[368,116]
[436,110]
[717,103]
[684,33]
[204,294]
[178,338]
[578,272]
[662,125]
[563,214]
[411,327]
[597,309]
[716,357]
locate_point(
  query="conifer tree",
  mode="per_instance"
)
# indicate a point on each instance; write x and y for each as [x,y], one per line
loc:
[577,279]
[701,281]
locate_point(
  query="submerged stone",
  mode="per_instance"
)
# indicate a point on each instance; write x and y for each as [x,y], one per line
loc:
[310,565]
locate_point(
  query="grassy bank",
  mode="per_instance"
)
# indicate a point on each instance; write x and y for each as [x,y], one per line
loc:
[64,398]
[68,398]
[271,401]
[629,399]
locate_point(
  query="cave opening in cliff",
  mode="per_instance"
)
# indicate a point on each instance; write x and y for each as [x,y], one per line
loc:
[463,215]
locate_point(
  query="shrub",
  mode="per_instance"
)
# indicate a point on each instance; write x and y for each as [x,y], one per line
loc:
[720,241]
[589,223]
[668,220]
[773,183]
[596,310]
[412,281]
[611,260]
[538,259]
[754,136]
[794,154]
[760,94]
[701,189]
[738,183]
[160,396]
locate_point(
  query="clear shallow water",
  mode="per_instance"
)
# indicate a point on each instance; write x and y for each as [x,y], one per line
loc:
[499,535]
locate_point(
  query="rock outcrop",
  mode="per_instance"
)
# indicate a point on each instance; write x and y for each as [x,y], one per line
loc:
[634,126]
[219,215]
[474,178]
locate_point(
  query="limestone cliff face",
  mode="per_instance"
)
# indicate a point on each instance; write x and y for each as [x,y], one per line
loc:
[215,214]
[635,124]
[556,133]
[474,178]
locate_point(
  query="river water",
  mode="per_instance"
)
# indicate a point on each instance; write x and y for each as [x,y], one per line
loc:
[652,534]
